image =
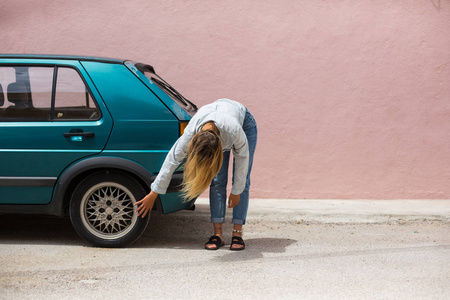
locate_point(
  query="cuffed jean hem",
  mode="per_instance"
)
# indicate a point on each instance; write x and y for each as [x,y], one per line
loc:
[222,220]
[218,220]
[237,221]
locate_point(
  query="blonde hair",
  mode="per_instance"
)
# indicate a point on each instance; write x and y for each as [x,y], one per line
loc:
[203,163]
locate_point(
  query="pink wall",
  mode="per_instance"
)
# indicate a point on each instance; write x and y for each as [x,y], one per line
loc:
[352,97]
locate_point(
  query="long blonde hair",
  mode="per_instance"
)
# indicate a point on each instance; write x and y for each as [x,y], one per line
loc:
[203,163]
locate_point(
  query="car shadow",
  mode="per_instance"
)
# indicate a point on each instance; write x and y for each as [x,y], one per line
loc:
[37,230]
[185,229]
[180,230]
[172,230]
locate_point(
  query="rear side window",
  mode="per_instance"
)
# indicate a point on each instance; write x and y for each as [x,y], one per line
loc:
[37,93]
[72,99]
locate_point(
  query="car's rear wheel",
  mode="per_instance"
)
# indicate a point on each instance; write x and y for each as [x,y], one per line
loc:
[102,209]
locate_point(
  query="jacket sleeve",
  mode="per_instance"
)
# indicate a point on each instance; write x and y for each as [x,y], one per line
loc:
[173,159]
[241,157]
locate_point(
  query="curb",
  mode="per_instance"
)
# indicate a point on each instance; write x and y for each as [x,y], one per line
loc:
[342,211]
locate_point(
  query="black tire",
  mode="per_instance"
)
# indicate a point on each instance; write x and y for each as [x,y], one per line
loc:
[102,209]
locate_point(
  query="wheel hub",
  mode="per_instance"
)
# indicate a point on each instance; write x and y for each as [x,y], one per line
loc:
[109,210]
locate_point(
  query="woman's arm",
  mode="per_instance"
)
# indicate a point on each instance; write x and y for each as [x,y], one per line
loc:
[173,159]
[241,156]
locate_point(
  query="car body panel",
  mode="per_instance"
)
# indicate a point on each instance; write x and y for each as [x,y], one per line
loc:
[134,109]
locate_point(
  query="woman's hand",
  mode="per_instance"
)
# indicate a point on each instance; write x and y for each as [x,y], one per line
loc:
[233,200]
[146,204]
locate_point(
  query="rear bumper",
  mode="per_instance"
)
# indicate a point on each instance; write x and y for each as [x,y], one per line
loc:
[173,200]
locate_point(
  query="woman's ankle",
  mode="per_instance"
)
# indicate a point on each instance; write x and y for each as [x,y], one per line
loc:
[218,230]
[237,230]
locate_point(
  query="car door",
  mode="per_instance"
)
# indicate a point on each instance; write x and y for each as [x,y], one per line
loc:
[51,115]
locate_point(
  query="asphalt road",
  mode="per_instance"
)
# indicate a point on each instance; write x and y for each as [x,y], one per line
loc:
[286,258]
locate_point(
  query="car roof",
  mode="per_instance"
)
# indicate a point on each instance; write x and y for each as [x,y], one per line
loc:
[64,57]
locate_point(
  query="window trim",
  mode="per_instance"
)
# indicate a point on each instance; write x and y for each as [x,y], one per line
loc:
[52,101]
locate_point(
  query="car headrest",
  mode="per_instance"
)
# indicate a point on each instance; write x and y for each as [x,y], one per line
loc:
[18,94]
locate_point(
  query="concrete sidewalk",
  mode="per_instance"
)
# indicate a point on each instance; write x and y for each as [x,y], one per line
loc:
[342,211]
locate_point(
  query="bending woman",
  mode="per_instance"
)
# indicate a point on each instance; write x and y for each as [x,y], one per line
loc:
[214,131]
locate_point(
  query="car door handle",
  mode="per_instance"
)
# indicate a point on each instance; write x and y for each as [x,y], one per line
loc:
[83,134]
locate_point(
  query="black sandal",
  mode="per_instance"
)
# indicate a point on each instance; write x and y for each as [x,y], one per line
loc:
[237,240]
[214,240]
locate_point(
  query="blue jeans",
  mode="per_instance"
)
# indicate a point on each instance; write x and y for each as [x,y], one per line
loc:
[218,188]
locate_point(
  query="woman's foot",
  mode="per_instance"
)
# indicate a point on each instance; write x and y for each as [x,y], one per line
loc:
[237,243]
[214,243]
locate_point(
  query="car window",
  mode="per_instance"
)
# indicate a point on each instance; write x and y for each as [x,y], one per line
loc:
[26,94]
[41,81]
[7,76]
[72,98]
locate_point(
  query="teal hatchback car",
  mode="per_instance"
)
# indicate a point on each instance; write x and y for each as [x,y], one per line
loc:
[85,137]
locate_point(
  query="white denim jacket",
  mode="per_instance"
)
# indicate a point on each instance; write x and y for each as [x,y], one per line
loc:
[228,115]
